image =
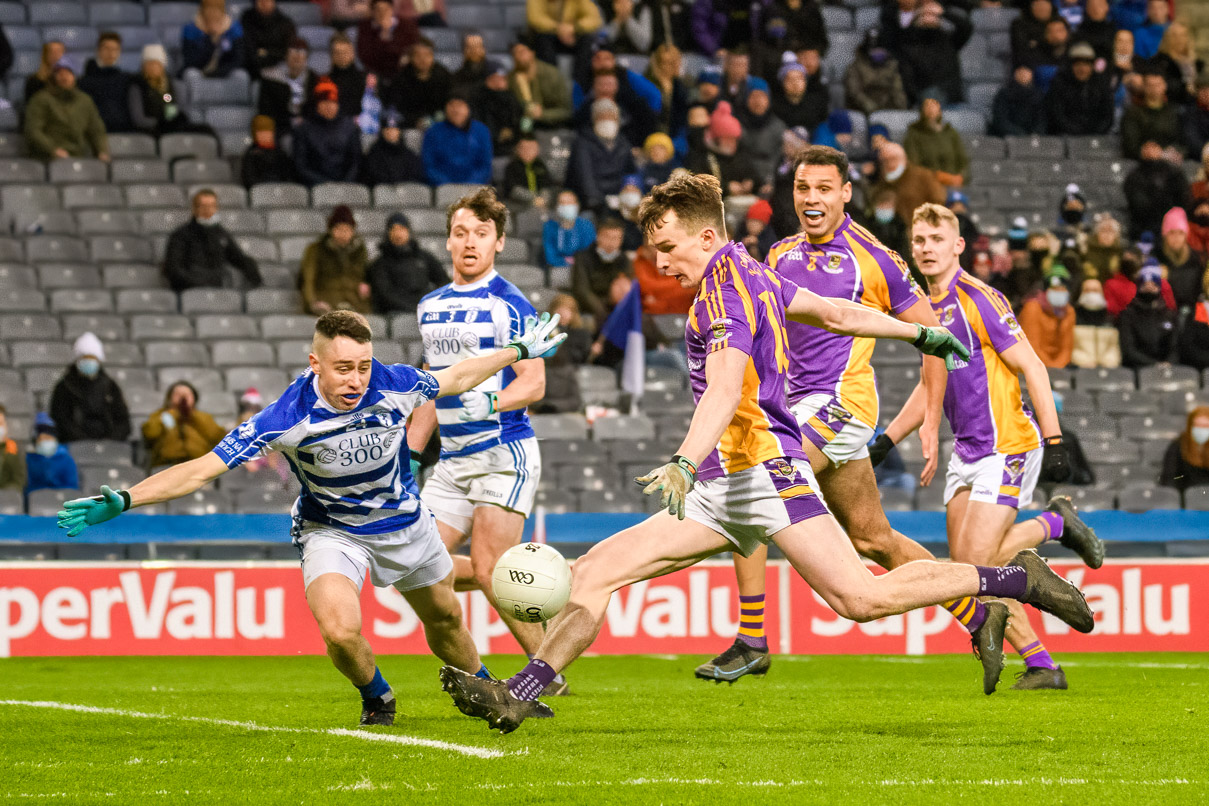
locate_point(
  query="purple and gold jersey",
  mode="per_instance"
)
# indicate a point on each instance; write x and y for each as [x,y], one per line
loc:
[741,304]
[855,266]
[982,399]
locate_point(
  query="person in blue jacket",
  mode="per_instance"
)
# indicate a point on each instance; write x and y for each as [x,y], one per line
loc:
[458,149]
[567,232]
[49,466]
[213,42]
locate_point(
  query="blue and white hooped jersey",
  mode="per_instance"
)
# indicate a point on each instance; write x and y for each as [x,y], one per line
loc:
[354,465]
[463,321]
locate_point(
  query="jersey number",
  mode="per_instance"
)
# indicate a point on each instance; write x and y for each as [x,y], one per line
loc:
[778,329]
[361,455]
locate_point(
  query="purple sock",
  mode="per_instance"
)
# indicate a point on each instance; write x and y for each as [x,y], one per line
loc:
[751,621]
[1009,583]
[1036,657]
[970,612]
[528,683]
[1053,525]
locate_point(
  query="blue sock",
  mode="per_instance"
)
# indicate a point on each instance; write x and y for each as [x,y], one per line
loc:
[483,673]
[374,688]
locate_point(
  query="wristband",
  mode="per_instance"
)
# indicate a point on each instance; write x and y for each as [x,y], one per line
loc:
[522,352]
[415,455]
[684,463]
[1048,441]
[921,336]
[125,499]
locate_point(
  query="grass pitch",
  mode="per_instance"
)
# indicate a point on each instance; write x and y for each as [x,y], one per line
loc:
[1132,729]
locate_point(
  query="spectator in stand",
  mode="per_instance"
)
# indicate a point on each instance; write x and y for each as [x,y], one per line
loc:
[784,217]
[155,107]
[756,235]
[1185,266]
[1096,28]
[1186,463]
[6,54]
[423,87]
[495,106]
[663,71]
[1196,120]
[628,26]
[1154,120]
[1053,51]
[1147,325]
[426,13]
[109,85]
[1097,343]
[202,254]
[12,458]
[1148,37]
[959,205]
[327,144]
[736,72]
[873,81]
[1101,255]
[267,34]
[708,89]
[566,233]
[1152,188]
[638,99]
[722,25]
[63,122]
[1177,62]
[600,158]
[1080,100]
[543,91]
[458,149]
[1198,226]
[470,75]
[271,468]
[563,26]
[661,293]
[1200,187]
[562,383]
[1125,67]
[660,160]
[933,143]
[49,466]
[212,44]
[885,222]
[628,201]
[86,403]
[913,185]
[928,52]
[792,25]
[761,129]
[802,97]
[595,267]
[346,75]
[720,155]
[52,53]
[1048,320]
[1194,338]
[264,161]
[285,89]
[526,178]
[384,39]
[1120,288]
[403,271]
[332,276]
[389,161]
[178,431]
[1019,107]
[1028,32]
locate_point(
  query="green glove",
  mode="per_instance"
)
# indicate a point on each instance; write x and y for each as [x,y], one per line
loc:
[80,513]
[941,343]
[674,480]
[415,466]
[538,339]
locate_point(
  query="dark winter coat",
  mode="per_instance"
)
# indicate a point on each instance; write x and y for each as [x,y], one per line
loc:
[1194,339]
[417,98]
[389,164]
[401,275]
[1151,189]
[1186,276]
[809,111]
[382,56]
[260,165]
[109,88]
[1147,330]
[533,178]
[1142,124]
[350,88]
[214,60]
[869,87]
[1079,108]
[502,114]
[597,170]
[1018,110]
[89,408]
[928,57]
[562,383]
[198,256]
[333,275]
[286,101]
[327,150]
[271,34]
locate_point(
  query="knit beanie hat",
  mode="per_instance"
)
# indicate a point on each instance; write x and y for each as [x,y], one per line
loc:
[155,53]
[263,123]
[88,344]
[399,218]
[1175,219]
[724,124]
[341,214]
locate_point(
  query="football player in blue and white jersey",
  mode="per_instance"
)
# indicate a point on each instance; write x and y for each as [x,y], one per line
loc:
[342,425]
[485,482]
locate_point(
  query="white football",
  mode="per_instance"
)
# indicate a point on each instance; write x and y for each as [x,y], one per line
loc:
[532,581]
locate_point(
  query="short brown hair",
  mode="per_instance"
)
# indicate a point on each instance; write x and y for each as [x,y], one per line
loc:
[344,323]
[695,198]
[3,411]
[822,155]
[934,215]
[485,207]
[109,36]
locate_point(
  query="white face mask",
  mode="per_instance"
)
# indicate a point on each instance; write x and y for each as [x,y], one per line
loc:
[1200,435]
[47,447]
[607,129]
[207,222]
[1093,301]
[567,212]
[608,257]
[631,198]
[1059,299]
[893,176]
[3,433]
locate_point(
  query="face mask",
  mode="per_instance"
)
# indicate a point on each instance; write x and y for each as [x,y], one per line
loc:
[893,176]
[879,56]
[884,215]
[1200,435]
[567,212]
[1058,299]
[47,447]
[608,257]
[1072,216]
[607,129]
[1093,301]
[88,367]
[1147,296]
[207,222]
[3,433]
[631,198]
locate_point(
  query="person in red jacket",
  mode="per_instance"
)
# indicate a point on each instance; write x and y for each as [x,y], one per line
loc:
[383,40]
[1119,290]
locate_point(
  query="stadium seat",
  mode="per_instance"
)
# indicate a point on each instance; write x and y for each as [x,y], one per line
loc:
[211,300]
[272,300]
[1036,147]
[100,452]
[47,503]
[559,426]
[212,327]
[1100,147]
[197,146]
[103,222]
[67,275]
[248,353]
[18,402]
[406,195]
[118,477]
[204,171]
[1143,498]
[295,221]
[587,477]
[71,300]
[12,14]
[176,353]
[231,89]
[123,354]
[120,249]
[16,276]
[261,500]
[158,196]
[1197,498]
[55,249]
[142,401]
[44,222]
[22,299]
[556,502]
[12,502]
[1117,380]
[287,326]
[30,197]
[106,327]
[23,326]
[242,222]
[110,13]
[330,194]
[1128,402]
[131,275]
[158,327]
[143,300]
[208,501]
[79,171]
[279,194]
[446,195]
[293,247]
[20,169]
[269,381]
[1180,402]
[623,427]
[1111,452]
[1168,379]
[205,379]
[231,196]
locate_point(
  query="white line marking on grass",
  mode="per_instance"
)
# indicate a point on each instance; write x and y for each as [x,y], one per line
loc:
[992,782]
[387,738]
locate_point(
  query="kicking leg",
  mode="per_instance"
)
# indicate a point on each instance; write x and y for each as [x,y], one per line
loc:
[495,530]
[1060,522]
[440,612]
[463,571]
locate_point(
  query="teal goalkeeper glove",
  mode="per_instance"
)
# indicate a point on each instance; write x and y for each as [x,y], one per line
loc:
[941,343]
[674,480]
[80,513]
[538,339]
[415,466]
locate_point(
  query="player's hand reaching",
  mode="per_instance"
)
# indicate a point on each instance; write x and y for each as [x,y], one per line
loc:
[80,513]
[941,343]
[673,480]
[1055,460]
[477,406]
[539,339]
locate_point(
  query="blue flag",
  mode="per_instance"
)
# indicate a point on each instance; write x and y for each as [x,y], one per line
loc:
[623,329]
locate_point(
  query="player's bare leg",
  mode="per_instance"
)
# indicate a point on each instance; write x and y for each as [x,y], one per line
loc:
[440,612]
[463,571]
[336,605]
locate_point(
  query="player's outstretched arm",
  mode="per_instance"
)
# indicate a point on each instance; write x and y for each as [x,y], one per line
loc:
[537,341]
[175,482]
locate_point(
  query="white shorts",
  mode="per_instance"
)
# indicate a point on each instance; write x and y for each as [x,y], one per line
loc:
[408,559]
[504,476]
[832,428]
[1001,478]
[749,507]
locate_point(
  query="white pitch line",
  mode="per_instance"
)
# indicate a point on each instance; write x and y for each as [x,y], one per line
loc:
[927,782]
[387,738]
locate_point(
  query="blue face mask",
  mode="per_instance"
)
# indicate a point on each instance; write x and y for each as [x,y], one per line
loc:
[568,212]
[47,447]
[88,367]
[884,215]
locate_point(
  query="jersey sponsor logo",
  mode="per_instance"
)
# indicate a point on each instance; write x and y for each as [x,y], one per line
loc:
[792,254]
[695,364]
[948,314]
[834,264]
[470,340]
[326,456]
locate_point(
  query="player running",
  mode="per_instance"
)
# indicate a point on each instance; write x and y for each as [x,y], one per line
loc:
[833,398]
[999,452]
[744,448]
[342,427]
[485,482]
